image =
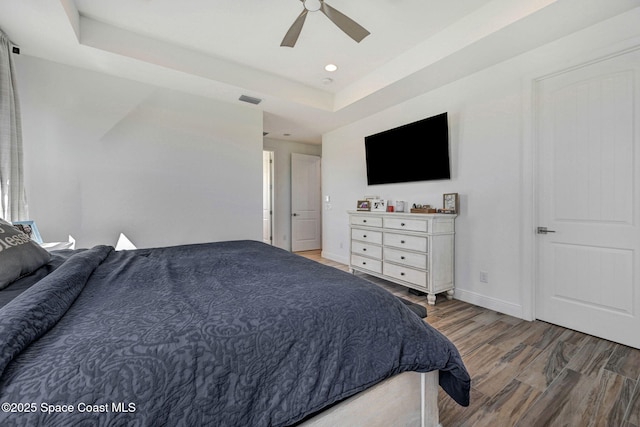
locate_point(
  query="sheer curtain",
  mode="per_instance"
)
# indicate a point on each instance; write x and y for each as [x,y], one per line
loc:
[13,205]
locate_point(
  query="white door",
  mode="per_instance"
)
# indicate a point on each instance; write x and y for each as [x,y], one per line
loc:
[306,230]
[588,168]
[267,197]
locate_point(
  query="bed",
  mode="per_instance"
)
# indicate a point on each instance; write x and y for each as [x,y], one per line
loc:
[234,333]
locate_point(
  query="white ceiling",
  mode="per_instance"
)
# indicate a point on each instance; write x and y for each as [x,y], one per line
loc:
[223,49]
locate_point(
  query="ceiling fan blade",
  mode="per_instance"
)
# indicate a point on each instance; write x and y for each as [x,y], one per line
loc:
[346,24]
[292,35]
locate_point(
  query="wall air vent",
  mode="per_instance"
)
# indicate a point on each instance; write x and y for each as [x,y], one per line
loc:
[250,99]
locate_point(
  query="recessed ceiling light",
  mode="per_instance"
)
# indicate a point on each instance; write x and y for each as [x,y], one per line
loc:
[331,67]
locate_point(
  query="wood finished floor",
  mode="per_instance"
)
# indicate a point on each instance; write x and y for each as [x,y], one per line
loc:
[530,373]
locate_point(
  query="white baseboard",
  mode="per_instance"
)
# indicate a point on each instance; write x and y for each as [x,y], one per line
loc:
[490,303]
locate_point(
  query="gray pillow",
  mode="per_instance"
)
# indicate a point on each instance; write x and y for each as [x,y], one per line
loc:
[19,255]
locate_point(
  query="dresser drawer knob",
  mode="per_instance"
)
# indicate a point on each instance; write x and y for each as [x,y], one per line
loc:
[402,273]
[364,249]
[364,263]
[402,241]
[402,257]
[402,224]
[364,236]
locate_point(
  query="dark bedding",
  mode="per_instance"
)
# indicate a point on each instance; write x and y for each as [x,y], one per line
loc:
[18,287]
[221,334]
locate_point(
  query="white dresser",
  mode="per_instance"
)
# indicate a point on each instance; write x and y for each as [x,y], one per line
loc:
[414,250]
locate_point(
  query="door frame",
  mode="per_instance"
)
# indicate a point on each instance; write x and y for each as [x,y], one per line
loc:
[269,190]
[529,163]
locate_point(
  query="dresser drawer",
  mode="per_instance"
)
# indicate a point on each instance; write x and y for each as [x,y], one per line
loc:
[407,274]
[410,259]
[372,265]
[369,221]
[406,224]
[372,251]
[414,243]
[366,235]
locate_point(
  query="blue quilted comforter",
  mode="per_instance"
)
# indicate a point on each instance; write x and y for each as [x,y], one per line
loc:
[221,334]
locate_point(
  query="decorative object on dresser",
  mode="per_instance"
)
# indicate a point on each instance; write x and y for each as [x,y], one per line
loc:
[451,203]
[379,205]
[413,250]
[364,205]
[422,209]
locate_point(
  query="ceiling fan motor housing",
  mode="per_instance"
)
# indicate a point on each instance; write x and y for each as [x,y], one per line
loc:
[312,5]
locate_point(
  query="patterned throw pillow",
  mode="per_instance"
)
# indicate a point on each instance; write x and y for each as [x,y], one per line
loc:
[19,255]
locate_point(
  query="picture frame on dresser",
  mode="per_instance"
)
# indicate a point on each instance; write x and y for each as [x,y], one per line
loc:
[364,205]
[451,203]
[378,205]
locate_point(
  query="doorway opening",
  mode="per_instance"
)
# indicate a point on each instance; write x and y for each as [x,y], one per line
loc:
[267,197]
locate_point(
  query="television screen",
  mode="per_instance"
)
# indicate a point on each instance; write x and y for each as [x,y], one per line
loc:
[418,151]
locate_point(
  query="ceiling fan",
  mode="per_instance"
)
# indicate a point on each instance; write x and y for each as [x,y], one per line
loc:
[346,24]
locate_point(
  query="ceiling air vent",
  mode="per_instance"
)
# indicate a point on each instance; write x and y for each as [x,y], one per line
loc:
[250,99]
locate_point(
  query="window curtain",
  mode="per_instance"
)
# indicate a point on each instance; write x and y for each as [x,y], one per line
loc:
[13,204]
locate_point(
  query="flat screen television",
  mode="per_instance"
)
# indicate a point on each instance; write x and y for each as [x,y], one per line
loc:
[417,151]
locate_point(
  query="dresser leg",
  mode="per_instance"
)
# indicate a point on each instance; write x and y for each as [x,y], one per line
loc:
[450,294]
[431,299]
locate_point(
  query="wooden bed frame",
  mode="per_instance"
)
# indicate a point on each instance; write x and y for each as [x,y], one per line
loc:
[407,399]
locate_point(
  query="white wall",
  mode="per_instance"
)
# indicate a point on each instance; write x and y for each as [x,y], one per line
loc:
[490,123]
[282,185]
[105,155]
